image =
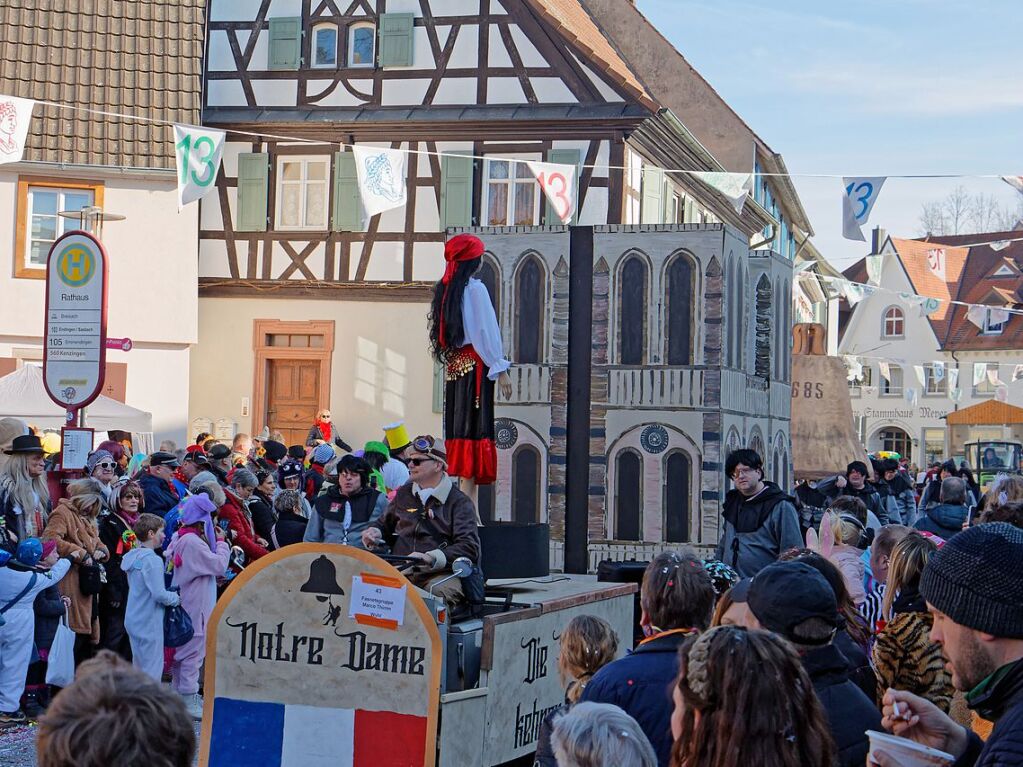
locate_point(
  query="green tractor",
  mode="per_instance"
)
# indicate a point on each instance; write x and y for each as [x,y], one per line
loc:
[990,458]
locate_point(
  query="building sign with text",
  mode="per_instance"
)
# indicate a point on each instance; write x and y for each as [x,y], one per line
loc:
[76,283]
[321,654]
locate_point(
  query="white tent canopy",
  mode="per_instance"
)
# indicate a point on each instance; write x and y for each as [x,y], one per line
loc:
[22,395]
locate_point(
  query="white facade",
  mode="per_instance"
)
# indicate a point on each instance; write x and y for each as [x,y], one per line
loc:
[888,416]
[152,283]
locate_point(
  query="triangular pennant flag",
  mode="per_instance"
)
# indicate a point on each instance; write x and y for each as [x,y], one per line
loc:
[558,184]
[1002,393]
[886,370]
[735,186]
[979,372]
[939,370]
[1017,373]
[198,152]
[920,374]
[859,199]
[1016,182]
[910,394]
[953,378]
[15,118]
[854,367]
[381,175]
[874,270]
[936,262]
[977,314]
[999,244]
[929,306]
[955,394]
[997,316]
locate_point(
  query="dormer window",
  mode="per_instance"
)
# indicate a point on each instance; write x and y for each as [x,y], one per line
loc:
[362,38]
[325,45]
[1004,271]
[992,328]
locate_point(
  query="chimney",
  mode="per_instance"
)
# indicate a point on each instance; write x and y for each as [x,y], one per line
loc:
[878,236]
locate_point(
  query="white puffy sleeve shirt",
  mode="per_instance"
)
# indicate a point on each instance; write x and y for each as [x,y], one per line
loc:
[481,328]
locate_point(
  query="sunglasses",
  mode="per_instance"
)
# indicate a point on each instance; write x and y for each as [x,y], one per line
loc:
[420,461]
[106,465]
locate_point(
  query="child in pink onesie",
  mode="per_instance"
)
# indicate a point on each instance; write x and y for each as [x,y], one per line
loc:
[199,555]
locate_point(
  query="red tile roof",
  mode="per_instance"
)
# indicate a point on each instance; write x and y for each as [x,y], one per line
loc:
[575,23]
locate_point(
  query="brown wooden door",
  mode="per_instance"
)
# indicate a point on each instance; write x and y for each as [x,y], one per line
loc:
[292,399]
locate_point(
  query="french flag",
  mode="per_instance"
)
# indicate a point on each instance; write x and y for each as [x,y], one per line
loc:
[255,734]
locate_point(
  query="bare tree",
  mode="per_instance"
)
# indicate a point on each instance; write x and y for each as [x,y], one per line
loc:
[960,213]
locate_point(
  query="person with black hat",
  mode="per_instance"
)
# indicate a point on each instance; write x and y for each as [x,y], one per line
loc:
[24,495]
[792,599]
[854,483]
[220,462]
[273,453]
[759,521]
[429,519]
[973,589]
[193,462]
[157,487]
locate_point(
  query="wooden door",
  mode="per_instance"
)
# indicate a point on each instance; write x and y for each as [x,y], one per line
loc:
[292,398]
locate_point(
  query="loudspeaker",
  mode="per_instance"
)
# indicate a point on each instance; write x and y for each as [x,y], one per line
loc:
[630,571]
[515,550]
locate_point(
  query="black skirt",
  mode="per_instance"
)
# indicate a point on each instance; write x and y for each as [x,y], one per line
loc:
[469,418]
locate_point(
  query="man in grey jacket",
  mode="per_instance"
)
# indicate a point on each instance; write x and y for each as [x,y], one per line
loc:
[759,520]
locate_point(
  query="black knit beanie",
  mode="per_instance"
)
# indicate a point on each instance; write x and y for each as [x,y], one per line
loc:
[975,579]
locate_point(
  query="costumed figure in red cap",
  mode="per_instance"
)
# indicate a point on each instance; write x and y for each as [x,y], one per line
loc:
[465,337]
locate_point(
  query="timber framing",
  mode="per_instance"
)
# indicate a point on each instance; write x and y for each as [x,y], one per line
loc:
[400,292]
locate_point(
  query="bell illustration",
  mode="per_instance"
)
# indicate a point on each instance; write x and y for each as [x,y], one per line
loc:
[322,579]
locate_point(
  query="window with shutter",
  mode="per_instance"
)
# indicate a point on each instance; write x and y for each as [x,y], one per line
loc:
[396,30]
[285,49]
[253,175]
[455,191]
[564,157]
[652,206]
[347,211]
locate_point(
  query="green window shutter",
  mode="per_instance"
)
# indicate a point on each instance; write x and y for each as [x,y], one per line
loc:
[564,157]
[651,210]
[253,178]
[455,191]
[438,387]
[285,50]
[347,213]
[396,39]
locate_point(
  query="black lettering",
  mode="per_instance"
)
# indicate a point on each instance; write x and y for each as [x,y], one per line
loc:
[315,657]
[356,650]
[373,653]
[820,390]
[248,642]
[266,645]
[416,661]
[395,659]
[296,642]
[280,641]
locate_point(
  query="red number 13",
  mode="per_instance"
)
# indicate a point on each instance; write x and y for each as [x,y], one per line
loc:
[555,186]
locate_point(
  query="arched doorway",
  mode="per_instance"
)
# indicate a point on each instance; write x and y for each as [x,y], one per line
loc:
[892,439]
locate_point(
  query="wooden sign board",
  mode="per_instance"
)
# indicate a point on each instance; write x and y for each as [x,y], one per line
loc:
[824,438]
[293,679]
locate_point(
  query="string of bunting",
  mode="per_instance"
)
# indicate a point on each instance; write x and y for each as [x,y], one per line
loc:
[381,172]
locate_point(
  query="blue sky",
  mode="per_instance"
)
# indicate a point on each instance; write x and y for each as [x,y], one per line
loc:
[874,87]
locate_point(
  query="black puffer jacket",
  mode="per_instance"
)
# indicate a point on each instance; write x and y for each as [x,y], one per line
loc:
[1000,701]
[849,711]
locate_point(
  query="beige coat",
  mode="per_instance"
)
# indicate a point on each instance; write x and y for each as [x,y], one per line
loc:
[77,537]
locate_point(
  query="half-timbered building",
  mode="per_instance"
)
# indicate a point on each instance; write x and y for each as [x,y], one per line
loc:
[467,87]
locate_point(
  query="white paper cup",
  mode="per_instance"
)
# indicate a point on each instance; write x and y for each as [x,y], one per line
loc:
[907,752]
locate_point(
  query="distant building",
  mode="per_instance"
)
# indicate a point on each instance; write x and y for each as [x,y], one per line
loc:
[907,414]
[144,59]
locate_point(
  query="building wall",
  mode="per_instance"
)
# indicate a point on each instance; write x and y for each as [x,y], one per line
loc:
[151,290]
[381,369]
[922,421]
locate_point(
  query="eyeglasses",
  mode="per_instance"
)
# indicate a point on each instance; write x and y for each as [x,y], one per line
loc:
[420,461]
[324,415]
[740,472]
[106,465]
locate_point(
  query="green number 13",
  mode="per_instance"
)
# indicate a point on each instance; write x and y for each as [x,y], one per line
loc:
[204,149]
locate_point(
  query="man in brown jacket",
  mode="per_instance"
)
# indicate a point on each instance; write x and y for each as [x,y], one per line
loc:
[430,520]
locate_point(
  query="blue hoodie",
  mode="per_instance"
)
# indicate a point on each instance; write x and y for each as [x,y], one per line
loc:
[944,520]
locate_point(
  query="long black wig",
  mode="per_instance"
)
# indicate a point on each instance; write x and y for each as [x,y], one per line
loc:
[447,304]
